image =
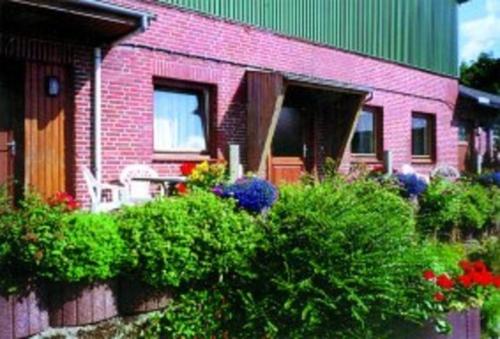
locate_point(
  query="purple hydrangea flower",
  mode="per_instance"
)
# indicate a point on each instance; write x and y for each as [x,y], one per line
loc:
[252,194]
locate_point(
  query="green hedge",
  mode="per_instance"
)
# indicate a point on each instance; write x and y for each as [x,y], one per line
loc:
[187,239]
[454,210]
[43,242]
[329,260]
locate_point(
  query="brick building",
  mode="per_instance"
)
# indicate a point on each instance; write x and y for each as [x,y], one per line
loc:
[106,84]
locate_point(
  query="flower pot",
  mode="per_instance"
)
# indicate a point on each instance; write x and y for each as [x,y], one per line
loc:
[137,297]
[82,304]
[23,314]
[465,325]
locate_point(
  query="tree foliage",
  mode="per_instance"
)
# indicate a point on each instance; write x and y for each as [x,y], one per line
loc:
[483,74]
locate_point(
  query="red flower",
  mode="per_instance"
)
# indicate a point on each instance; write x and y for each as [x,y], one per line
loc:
[429,275]
[496,281]
[445,282]
[479,266]
[466,266]
[181,188]
[439,297]
[377,169]
[65,200]
[187,168]
[483,278]
[466,280]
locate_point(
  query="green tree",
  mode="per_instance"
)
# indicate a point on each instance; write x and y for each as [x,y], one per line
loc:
[483,74]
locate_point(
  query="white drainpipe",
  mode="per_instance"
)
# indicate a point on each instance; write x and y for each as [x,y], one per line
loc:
[97,116]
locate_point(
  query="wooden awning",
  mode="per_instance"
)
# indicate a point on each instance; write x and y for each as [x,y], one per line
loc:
[324,84]
[266,94]
[86,22]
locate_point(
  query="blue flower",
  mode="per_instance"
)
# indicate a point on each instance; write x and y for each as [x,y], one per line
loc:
[490,179]
[252,194]
[412,185]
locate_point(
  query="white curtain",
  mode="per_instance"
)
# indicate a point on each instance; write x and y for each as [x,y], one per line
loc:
[179,121]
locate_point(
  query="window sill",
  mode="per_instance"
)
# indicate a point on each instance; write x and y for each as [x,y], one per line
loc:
[365,158]
[176,157]
[422,160]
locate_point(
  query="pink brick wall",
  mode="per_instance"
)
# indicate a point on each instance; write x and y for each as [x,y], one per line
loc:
[187,46]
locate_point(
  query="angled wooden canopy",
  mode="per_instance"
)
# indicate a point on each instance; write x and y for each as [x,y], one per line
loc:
[266,94]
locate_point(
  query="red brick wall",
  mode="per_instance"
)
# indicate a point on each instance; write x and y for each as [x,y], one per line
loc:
[188,46]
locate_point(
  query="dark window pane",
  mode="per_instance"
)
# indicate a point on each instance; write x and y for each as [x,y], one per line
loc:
[363,141]
[180,121]
[288,139]
[420,136]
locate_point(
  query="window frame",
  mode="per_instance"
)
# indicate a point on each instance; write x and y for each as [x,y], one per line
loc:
[207,92]
[431,137]
[378,142]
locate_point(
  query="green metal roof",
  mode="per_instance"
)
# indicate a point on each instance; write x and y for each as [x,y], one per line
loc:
[419,33]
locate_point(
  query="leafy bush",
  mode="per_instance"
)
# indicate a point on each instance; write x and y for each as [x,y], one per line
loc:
[442,257]
[186,239]
[450,208]
[195,314]
[86,248]
[252,194]
[337,255]
[490,312]
[39,241]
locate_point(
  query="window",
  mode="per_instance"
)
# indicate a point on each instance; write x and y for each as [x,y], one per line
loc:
[422,135]
[464,130]
[367,138]
[181,119]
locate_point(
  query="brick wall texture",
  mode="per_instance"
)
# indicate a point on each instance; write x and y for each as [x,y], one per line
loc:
[187,46]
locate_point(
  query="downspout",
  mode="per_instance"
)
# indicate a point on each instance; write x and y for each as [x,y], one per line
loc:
[97,116]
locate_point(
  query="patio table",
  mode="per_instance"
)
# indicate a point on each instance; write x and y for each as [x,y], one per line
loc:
[167,183]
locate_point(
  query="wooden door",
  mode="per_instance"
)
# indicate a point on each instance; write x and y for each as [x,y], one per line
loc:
[465,146]
[46,139]
[289,147]
[11,113]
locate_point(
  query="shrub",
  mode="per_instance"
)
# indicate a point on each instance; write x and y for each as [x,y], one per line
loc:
[186,239]
[491,315]
[449,208]
[336,265]
[442,257]
[252,194]
[58,246]
[45,242]
[86,248]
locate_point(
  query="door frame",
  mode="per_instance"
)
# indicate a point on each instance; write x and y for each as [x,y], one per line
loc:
[15,71]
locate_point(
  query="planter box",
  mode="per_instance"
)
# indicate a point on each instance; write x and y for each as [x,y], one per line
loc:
[135,297]
[466,325]
[79,304]
[24,314]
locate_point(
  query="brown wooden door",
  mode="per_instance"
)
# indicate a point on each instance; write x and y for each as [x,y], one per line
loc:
[287,160]
[11,113]
[46,139]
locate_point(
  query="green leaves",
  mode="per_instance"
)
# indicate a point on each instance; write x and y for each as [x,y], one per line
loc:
[187,239]
[448,209]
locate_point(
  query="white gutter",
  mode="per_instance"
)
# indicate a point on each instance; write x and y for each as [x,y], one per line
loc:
[97,117]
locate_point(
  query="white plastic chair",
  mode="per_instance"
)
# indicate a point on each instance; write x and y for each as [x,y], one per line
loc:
[137,190]
[98,194]
[446,172]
